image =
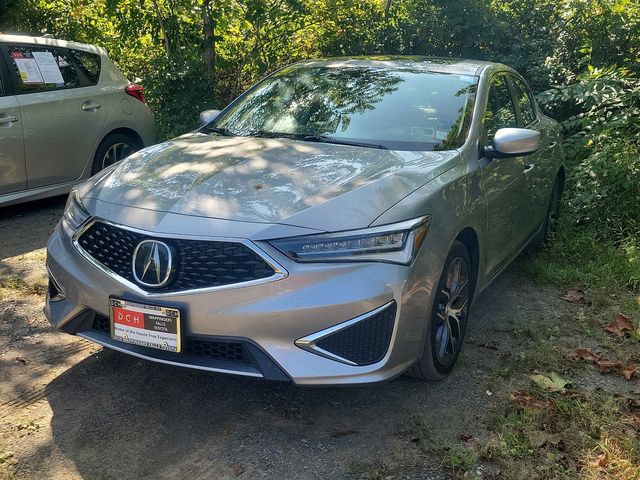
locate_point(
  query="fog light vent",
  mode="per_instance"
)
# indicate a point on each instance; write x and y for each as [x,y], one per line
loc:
[361,341]
[54,292]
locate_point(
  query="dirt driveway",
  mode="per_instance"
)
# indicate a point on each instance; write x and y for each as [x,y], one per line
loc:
[70,409]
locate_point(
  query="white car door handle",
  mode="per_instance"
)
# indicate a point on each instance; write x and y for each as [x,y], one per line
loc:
[90,105]
[528,167]
[7,120]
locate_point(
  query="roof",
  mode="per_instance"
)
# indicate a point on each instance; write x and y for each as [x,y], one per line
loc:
[52,42]
[429,64]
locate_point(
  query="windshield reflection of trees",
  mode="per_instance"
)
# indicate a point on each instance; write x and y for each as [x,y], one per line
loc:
[312,101]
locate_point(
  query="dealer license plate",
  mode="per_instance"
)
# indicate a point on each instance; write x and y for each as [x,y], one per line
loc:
[145,325]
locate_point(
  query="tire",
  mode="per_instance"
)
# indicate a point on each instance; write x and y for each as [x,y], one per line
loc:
[440,355]
[550,220]
[113,148]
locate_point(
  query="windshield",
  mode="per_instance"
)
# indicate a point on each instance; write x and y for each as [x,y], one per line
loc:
[380,107]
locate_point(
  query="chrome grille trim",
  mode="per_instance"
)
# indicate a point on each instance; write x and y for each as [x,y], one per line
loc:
[280,271]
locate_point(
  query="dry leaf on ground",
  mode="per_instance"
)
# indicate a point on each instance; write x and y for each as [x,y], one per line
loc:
[586,354]
[574,296]
[621,324]
[602,461]
[605,365]
[523,399]
[629,371]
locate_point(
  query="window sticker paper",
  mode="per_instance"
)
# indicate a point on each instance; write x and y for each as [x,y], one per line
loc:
[48,67]
[29,71]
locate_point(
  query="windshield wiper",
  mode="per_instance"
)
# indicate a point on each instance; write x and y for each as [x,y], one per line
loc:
[328,139]
[220,130]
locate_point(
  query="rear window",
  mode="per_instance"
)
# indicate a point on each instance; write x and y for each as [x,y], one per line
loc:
[43,68]
[88,64]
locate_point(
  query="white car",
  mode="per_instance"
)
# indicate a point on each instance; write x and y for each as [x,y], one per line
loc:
[66,112]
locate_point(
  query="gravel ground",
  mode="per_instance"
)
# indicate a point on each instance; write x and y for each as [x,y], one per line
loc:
[71,410]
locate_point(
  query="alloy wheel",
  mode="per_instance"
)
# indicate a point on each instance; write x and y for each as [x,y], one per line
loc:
[115,153]
[451,313]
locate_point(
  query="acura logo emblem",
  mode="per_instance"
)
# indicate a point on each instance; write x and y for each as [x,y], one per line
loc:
[152,263]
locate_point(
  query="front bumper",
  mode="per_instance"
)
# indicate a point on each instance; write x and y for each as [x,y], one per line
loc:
[272,320]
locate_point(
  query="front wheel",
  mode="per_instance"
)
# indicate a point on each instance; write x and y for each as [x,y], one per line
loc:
[449,316]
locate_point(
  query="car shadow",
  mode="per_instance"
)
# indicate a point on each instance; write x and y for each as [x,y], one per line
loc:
[27,226]
[116,416]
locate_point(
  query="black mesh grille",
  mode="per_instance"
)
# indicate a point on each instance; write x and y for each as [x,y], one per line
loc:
[198,347]
[365,342]
[101,324]
[229,351]
[198,263]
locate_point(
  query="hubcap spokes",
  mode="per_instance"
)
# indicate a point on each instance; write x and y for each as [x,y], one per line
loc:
[451,312]
[116,152]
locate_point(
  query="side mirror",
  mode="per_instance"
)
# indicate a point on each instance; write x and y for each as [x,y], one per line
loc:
[513,142]
[208,116]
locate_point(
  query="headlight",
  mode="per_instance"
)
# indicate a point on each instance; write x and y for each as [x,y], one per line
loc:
[395,243]
[74,214]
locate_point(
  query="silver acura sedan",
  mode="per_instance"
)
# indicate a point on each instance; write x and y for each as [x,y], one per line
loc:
[332,225]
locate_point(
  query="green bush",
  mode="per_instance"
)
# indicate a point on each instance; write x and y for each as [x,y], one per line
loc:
[599,114]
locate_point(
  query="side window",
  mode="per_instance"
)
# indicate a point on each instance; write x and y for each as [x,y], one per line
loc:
[500,112]
[88,64]
[525,101]
[42,68]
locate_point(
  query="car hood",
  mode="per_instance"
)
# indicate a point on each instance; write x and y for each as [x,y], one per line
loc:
[313,185]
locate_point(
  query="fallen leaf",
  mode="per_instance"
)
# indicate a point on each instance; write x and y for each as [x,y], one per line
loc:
[22,360]
[226,431]
[539,438]
[605,365]
[629,371]
[588,355]
[465,437]
[238,469]
[552,383]
[621,324]
[524,399]
[602,461]
[574,296]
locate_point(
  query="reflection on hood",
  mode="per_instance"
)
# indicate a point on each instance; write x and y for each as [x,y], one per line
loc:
[263,180]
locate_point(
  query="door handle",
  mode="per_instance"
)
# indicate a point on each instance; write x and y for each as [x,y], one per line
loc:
[90,105]
[528,167]
[7,120]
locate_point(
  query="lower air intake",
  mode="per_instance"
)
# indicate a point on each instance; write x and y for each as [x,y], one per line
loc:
[365,342]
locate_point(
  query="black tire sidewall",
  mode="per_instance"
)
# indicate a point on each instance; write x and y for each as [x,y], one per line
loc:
[428,367]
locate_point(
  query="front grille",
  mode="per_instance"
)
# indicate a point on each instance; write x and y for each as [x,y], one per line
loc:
[227,351]
[198,263]
[364,342]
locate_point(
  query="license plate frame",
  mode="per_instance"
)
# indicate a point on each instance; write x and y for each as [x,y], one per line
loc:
[146,325]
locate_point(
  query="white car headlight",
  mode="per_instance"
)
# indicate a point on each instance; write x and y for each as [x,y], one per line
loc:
[395,243]
[74,215]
